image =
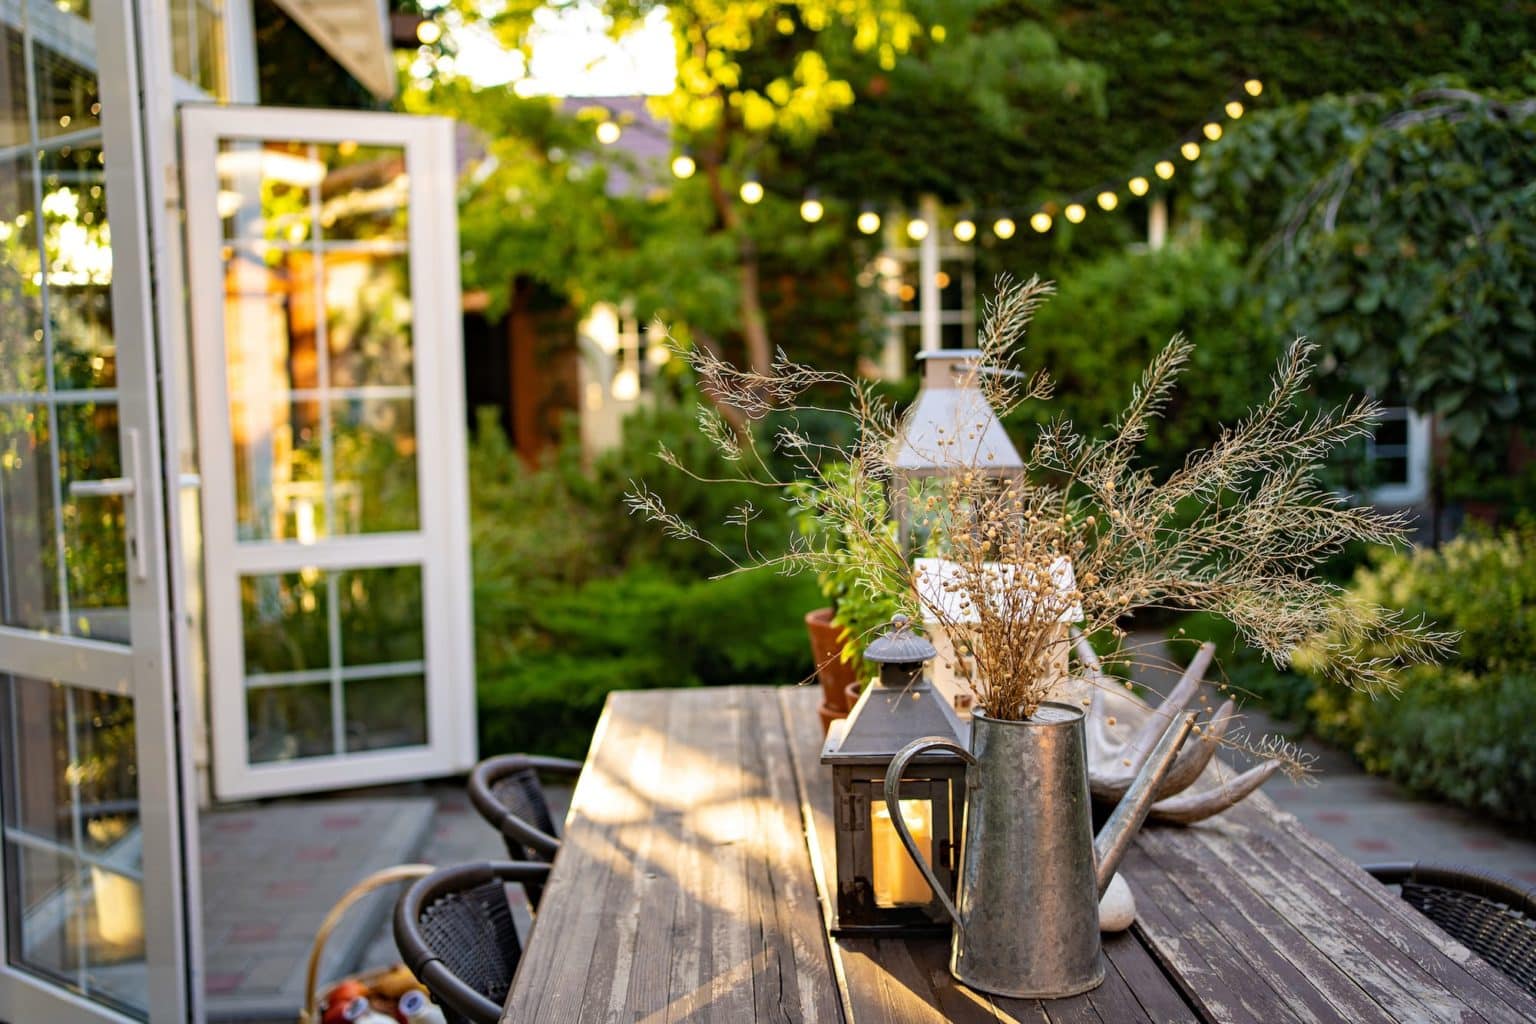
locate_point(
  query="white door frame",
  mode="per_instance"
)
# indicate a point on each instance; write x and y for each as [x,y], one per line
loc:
[440,545]
[143,670]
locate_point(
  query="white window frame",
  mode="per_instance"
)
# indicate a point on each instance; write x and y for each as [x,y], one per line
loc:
[441,544]
[1415,450]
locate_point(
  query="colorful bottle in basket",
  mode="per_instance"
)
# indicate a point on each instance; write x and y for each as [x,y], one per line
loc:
[359,1011]
[416,1008]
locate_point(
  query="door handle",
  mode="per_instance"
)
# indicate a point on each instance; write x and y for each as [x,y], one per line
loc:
[126,487]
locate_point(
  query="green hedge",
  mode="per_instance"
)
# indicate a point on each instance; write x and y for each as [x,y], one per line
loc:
[1461,731]
[574,598]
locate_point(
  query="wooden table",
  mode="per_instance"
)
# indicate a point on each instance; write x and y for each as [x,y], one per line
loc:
[687,889]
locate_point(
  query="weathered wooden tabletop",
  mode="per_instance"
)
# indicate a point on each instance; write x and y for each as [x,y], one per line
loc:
[686,889]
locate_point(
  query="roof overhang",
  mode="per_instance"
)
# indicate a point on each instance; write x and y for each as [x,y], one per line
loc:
[356,33]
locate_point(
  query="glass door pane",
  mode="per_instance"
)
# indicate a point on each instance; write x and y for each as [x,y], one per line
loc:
[92,909]
[321,255]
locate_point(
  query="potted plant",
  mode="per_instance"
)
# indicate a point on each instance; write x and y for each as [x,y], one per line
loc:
[840,631]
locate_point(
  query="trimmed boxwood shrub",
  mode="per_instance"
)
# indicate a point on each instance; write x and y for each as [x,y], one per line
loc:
[574,598]
[1460,730]
[1463,731]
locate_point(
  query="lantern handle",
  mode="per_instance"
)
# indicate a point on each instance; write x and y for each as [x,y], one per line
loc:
[893,776]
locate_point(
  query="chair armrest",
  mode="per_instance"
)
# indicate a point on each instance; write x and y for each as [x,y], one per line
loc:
[423,962]
[492,769]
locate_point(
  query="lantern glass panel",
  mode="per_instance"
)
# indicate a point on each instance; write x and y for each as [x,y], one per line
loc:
[897,881]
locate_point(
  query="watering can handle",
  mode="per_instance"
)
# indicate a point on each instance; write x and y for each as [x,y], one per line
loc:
[893,804]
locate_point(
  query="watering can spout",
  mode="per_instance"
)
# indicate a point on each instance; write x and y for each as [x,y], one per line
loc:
[1116,835]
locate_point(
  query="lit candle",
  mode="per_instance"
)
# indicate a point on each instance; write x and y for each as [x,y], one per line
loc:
[898,881]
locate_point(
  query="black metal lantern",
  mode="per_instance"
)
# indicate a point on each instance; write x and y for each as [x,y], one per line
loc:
[879,889]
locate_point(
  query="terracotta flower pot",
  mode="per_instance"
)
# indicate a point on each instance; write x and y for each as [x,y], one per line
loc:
[826,653]
[851,693]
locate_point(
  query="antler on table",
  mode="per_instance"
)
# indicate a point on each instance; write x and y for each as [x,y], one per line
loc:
[1112,769]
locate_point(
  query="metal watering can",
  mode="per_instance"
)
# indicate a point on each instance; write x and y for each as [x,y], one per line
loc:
[1031,871]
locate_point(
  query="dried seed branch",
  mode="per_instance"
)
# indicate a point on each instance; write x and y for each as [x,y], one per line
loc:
[1084,534]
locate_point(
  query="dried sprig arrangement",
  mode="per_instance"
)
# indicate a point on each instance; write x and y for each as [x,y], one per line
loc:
[1084,532]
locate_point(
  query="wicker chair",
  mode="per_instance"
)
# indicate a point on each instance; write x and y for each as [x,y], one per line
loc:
[506,792]
[455,932]
[1493,916]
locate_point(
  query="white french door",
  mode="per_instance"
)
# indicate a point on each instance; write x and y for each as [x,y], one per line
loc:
[323,256]
[95,895]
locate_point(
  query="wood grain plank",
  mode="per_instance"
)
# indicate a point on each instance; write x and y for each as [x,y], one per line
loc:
[1211,972]
[853,961]
[796,982]
[1333,926]
[553,975]
[1160,1002]
[1447,961]
[1300,976]
[636,873]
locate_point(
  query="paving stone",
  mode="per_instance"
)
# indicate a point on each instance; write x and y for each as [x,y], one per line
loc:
[271,873]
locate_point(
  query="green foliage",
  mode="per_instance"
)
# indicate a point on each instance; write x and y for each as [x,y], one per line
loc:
[574,598]
[1405,241]
[638,630]
[1457,729]
[861,611]
[1112,315]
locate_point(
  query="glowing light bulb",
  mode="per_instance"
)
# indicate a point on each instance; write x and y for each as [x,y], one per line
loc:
[812,210]
[1212,131]
[1253,87]
[428,32]
[1108,200]
[965,230]
[917,229]
[608,133]
[1138,186]
[1191,150]
[1234,110]
[869,222]
[1075,212]
[1163,169]
[1041,222]
[1004,228]
[683,165]
[751,192]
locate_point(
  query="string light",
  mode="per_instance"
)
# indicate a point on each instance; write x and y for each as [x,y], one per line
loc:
[608,133]
[683,166]
[965,228]
[751,191]
[428,32]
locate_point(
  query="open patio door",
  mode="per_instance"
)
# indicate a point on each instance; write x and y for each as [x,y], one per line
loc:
[95,896]
[323,255]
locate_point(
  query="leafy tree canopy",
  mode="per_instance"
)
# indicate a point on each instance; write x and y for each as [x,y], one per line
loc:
[1400,231]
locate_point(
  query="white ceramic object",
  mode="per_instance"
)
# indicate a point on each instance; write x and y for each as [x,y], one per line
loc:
[1117,909]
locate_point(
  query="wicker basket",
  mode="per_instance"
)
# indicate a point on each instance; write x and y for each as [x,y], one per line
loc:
[312,993]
